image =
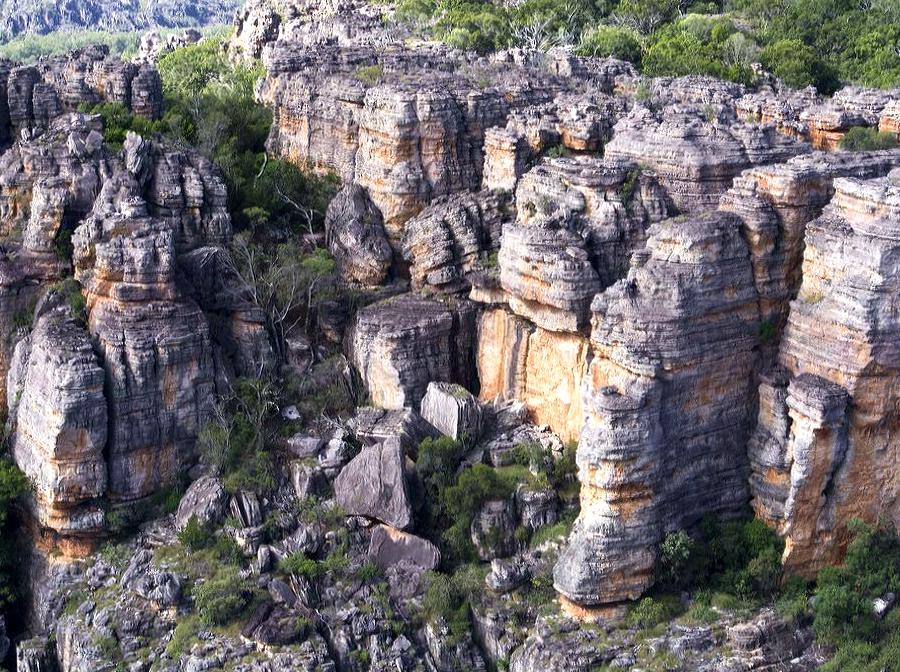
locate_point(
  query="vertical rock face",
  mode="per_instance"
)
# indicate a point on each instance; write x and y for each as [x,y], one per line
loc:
[154,340]
[401,344]
[60,422]
[668,403]
[544,369]
[775,203]
[697,152]
[824,450]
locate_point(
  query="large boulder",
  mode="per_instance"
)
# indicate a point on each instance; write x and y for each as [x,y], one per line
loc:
[356,237]
[373,484]
[453,411]
[205,500]
[389,546]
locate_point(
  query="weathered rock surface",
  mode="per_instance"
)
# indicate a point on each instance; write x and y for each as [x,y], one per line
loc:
[356,238]
[59,415]
[205,500]
[697,154]
[373,484]
[822,449]
[668,403]
[544,369]
[452,411]
[451,239]
[400,345]
[389,546]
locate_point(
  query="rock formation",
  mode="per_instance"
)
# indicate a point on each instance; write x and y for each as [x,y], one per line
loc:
[668,404]
[823,451]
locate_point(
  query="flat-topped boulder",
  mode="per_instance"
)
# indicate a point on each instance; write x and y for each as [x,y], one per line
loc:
[401,344]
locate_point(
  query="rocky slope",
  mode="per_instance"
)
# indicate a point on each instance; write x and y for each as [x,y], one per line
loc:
[688,282]
[39,17]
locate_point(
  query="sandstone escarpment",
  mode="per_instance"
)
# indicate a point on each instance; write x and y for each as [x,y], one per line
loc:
[697,152]
[668,404]
[850,107]
[824,450]
[408,125]
[154,340]
[34,95]
[775,203]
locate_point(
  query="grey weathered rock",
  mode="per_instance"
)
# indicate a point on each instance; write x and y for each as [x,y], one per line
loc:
[508,574]
[652,458]
[35,655]
[400,345]
[373,484]
[307,479]
[493,530]
[356,237]
[389,546]
[205,500]
[453,411]
[374,425]
[537,508]
[59,411]
[697,156]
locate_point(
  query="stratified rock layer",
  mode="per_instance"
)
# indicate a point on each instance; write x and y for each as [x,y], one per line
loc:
[825,451]
[401,344]
[668,402]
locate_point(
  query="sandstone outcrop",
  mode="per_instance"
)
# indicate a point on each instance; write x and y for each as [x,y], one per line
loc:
[668,402]
[400,345]
[823,448]
[544,369]
[696,153]
[775,203]
[408,125]
[578,221]
[59,416]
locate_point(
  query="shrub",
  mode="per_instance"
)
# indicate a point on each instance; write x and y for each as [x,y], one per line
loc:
[183,637]
[647,613]
[195,536]
[862,139]
[799,65]
[299,564]
[13,484]
[675,555]
[621,43]
[221,600]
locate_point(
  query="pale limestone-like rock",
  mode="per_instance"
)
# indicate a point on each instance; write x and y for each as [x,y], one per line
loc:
[356,238]
[453,411]
[493,530]
[373,484]
[401,344]
[667,405]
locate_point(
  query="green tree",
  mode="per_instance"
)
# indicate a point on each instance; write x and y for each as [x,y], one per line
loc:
[13,484]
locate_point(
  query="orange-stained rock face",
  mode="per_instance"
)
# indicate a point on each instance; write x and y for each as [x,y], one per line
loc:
[544,369]
[836,458]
